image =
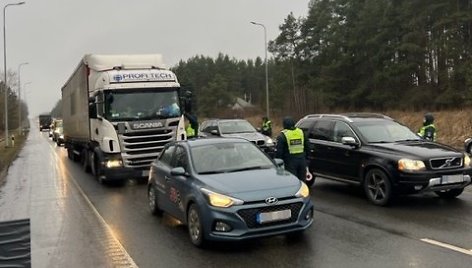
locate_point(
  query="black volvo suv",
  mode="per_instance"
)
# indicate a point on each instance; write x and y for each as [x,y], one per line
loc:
[383,156]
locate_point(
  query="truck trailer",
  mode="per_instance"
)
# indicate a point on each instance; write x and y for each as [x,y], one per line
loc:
[45,121]
[119,111]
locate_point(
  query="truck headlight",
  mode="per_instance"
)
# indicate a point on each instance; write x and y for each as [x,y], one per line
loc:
[466,160]
[303,191]
[221,200]
[405,164]
[114,163]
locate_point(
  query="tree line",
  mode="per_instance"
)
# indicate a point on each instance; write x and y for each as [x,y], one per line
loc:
[14,102]
[348,55]
[351,55]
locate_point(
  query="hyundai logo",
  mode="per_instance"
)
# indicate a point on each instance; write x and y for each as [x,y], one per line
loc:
[271,200]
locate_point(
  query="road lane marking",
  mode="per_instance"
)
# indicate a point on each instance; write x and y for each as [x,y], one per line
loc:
[113,247]
[448,246]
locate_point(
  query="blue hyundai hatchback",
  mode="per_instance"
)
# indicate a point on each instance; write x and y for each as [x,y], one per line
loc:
[226,189]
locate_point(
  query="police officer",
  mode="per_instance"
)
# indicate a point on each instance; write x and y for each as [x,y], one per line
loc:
[292,148]
[428,131]
[192,128]
[266,126]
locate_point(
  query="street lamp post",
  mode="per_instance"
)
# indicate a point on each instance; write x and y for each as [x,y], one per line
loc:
[7,140]
[266,68]
[19,97]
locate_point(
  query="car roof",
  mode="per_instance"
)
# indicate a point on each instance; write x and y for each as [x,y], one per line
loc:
[213,140]
[351,117]
[226,120]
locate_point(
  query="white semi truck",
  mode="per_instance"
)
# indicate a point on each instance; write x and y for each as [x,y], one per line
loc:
[118,113]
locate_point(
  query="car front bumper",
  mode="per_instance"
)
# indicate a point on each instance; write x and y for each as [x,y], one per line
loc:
[427,182]
[244,224]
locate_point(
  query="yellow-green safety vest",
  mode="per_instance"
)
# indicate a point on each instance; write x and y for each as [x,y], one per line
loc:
[190,131]
[266,125]
[295,140]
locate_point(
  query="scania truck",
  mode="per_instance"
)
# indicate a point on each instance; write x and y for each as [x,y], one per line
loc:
[119,111]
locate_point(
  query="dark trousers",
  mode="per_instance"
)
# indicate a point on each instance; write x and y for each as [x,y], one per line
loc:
[296,166]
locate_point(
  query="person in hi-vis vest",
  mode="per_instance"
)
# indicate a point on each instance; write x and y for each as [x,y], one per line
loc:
[428,130]
[192,127]
[291,148]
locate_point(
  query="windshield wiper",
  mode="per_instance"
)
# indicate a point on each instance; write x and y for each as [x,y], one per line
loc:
[380,142]
[408,140]
[248,168]
[211,172]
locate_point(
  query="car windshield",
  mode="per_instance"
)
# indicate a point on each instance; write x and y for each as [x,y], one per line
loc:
[228,157]
[385,131]
[236,126]
[141,105]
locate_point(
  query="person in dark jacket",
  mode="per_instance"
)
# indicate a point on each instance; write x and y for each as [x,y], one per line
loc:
[428,130]
[292,147]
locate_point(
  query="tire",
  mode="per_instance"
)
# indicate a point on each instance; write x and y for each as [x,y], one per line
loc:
[153,201]
[96,170]
[449,194]
[377,187]
[84,160]
[70,154]
[194,225]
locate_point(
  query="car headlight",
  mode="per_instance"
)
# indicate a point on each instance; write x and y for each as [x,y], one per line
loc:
[303,191]
[270,141]
[410,165]
[61,136]
[466,160]
[221,200]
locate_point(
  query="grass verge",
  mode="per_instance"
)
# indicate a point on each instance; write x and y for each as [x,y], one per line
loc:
[8,155]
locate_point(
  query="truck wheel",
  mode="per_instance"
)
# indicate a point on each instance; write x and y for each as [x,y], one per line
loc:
[84,159]
[377,187]
[449,194]
[96,170]
[70,154]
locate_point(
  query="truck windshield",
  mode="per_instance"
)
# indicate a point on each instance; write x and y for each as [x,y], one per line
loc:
[144,104]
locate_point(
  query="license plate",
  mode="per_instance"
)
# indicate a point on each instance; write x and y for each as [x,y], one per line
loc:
[452,179]
[280,215]
[145,173]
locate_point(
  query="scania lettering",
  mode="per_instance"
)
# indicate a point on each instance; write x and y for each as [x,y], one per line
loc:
[119,111]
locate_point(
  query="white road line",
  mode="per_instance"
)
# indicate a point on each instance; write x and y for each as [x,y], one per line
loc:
[448,246]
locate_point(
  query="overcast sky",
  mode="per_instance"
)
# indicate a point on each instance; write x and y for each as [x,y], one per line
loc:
[53,35]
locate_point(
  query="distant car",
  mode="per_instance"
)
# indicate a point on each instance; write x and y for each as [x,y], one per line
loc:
[383,156]
[58,135]
[237,128]
[226,189]
[56,131]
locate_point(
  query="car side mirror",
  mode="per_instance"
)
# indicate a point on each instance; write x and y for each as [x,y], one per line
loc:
[349,141]
[279,162]
[178,171]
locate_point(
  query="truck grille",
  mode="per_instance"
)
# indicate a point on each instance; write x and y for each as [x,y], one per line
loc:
[249,215]
[141,148]
[446,163]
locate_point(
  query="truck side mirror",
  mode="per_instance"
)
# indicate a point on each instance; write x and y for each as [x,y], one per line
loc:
[92,110]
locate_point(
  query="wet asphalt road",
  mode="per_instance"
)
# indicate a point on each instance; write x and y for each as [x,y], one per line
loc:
[76,222]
